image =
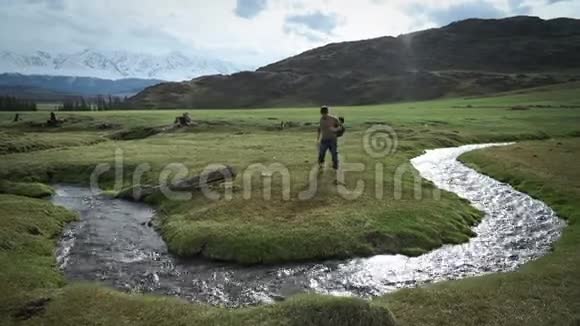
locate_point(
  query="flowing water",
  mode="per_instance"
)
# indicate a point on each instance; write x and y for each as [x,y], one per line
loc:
[113,244]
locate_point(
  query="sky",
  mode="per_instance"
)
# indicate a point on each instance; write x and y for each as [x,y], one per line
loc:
[248,32]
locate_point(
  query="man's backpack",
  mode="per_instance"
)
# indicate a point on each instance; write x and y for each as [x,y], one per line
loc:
[342,129]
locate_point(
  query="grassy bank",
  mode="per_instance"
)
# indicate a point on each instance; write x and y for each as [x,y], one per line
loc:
[90,305]
[29,189]
[28,228]
[543,292]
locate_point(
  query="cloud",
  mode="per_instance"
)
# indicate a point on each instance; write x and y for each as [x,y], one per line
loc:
[315,26]
[519,7]
[155,38]
[455,12]
[317,21]
[303,32]
[253,32]
[50,4]
[249,8]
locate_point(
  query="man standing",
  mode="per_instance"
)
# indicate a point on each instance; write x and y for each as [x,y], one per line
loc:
[327,137]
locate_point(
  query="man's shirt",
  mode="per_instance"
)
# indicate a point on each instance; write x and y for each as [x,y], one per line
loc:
[327,127]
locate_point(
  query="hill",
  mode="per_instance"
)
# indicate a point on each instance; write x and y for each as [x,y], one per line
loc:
[470,57]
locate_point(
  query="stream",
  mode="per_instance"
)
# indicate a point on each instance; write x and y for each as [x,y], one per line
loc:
[112,244]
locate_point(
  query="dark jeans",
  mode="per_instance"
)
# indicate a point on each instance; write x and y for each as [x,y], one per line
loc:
[328,145]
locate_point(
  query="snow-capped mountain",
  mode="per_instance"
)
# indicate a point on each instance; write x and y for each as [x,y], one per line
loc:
[174,66]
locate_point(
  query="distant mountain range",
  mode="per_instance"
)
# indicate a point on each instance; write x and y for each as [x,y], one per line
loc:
[470,57]
[46,76]
[56,88]
[113,65]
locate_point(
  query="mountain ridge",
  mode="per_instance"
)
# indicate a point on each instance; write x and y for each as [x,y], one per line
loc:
[114,65]
[469,57]
[57,88]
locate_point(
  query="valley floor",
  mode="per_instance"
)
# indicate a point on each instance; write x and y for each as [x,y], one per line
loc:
[268,231]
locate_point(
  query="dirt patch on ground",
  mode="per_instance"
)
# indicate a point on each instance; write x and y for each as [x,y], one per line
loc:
[136,133]
[31,309]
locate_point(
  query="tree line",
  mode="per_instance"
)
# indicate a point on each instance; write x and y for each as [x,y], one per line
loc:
[99,103]
[12,103]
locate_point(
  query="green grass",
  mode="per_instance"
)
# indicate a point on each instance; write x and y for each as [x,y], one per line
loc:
[20,142]
[34,190]
[28,228]
[277,230]
[565,95]
[486,115]
[249,231]
[90,305]
[543,292]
